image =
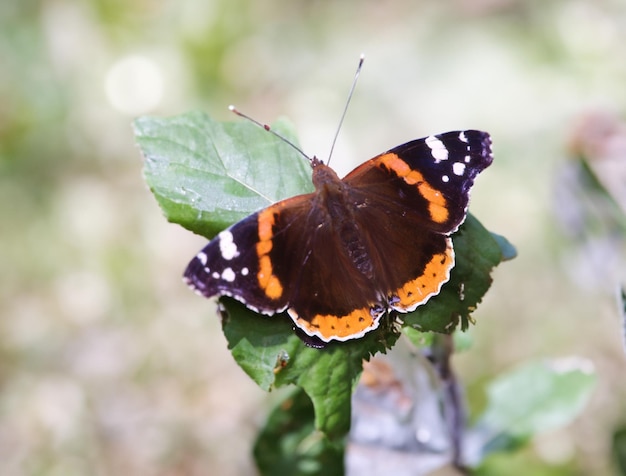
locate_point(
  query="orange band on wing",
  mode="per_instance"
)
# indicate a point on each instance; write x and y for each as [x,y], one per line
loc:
[436,201]
[267,279]
[419,290]
[328,327]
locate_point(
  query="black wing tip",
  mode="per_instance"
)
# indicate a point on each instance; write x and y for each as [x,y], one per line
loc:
[193,278]
[480,143]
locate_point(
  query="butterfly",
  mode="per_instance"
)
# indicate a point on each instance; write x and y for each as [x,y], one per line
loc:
[342,257]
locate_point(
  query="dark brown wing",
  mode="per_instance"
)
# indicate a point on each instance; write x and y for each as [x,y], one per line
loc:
[329,296]
[243,261]
[290,255]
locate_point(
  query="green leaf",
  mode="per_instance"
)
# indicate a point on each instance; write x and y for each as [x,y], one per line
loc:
[619,449]
[419,339]
[207,175]
[534,398]
[289,443]
[506,248]
[268,350]
[476,253]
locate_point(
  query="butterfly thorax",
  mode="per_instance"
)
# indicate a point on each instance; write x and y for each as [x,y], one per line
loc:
[331,194]
[336,204]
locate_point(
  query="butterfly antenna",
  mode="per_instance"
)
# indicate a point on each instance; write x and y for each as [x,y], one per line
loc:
[270,130]
[345,109]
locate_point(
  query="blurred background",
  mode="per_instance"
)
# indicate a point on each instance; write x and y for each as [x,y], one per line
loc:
[110,365]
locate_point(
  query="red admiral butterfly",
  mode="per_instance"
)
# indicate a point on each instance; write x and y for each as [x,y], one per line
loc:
[340,258]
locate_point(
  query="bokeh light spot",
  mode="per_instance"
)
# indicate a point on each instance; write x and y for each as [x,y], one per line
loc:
[134,85]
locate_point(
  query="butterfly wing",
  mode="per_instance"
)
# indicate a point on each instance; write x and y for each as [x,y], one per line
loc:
[331,293]
[429,178]
[389,248]
[240,261]
[418,194]
[290,255]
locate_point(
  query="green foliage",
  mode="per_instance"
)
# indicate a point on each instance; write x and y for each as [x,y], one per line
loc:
[267,349]
[537,397]
[522,462]
[289,443]
[207,175]
[619,449]
[477,252]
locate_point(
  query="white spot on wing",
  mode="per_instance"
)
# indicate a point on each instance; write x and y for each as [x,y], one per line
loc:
[228,248]
[228,275]
[458,168]
[437,148]
[445,178]
[215,275]
[202,258]
[462,137]
[244,271]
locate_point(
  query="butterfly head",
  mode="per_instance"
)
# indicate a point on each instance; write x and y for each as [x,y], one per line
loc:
[324,178]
